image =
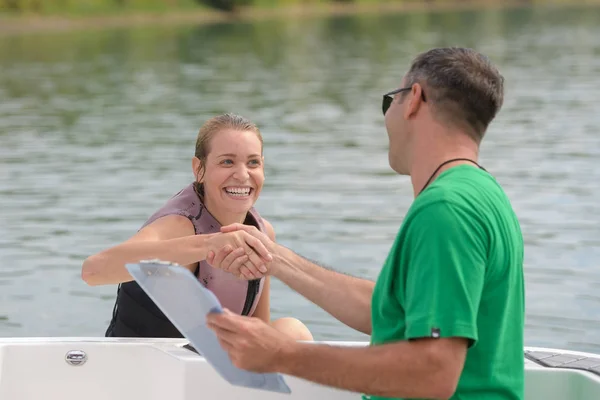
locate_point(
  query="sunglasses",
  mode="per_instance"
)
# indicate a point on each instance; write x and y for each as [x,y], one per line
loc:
[388,98]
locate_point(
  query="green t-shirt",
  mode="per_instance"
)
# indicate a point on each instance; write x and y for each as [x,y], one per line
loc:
[456,269]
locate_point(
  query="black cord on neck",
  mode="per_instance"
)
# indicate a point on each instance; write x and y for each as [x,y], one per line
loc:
[444,163]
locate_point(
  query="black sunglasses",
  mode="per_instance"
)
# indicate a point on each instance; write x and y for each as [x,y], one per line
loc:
[388,98]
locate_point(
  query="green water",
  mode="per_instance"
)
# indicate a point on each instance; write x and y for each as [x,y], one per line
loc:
[97,130]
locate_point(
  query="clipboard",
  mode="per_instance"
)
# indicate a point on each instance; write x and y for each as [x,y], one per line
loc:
[186,302]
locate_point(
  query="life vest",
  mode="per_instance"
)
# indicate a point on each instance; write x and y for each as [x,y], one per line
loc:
[136,315]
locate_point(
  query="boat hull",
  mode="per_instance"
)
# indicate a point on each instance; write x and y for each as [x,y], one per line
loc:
[149,369]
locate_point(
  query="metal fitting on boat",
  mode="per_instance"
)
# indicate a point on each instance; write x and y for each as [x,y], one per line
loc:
[76,357]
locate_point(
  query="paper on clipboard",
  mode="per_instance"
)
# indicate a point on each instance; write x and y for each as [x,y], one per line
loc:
[183,299]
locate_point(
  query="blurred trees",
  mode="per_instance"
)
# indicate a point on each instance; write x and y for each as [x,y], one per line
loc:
[90,6]
[100,6]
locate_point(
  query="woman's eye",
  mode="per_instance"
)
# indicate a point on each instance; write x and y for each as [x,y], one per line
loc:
[255,162]
[227,162]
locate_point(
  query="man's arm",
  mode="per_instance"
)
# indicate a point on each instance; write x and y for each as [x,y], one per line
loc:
[345,297]
[263,308]
[423,368]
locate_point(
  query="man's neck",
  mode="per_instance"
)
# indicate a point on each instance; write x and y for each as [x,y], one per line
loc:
[423,168]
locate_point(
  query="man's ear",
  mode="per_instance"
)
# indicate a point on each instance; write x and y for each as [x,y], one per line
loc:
[415,101]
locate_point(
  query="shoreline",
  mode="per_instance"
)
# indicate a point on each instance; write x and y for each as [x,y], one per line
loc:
[19,24]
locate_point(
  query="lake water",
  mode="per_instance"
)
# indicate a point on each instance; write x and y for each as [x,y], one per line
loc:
[97,130]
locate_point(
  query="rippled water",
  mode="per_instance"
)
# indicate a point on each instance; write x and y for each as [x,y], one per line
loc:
[97,130]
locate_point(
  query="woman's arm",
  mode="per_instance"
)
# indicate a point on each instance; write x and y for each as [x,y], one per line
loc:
[263,308]
[171,238]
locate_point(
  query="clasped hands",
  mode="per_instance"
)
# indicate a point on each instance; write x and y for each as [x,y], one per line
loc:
[241,250]
[251,343]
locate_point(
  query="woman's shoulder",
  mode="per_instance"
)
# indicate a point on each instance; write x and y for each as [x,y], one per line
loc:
[169,226]
[180,207]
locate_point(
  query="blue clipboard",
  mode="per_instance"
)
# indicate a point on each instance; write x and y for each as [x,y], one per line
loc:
[183,299]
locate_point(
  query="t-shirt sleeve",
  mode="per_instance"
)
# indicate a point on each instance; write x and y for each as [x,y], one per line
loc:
[445,270]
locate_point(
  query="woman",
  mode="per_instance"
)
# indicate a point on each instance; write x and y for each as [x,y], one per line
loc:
[228,166]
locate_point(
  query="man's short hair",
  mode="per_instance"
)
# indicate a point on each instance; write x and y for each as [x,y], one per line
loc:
[464,87]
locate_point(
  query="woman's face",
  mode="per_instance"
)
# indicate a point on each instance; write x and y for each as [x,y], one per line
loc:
[234,173]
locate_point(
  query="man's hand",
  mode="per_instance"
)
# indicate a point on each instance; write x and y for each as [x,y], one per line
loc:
[234,261]
[242,250]
[251,344]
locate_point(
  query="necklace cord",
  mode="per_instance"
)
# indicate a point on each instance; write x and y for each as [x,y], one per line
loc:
[444,163]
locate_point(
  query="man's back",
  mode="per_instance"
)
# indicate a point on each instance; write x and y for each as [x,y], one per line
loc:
[456,270]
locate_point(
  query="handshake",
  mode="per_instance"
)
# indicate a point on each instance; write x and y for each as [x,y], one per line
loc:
[241,250]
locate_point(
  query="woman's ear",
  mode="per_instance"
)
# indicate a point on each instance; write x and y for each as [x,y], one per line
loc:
[197,168]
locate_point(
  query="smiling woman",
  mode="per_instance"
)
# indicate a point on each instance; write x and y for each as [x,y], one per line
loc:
[229,167]
[229,176]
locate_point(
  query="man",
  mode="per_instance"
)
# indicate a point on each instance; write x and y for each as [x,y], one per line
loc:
[446,315]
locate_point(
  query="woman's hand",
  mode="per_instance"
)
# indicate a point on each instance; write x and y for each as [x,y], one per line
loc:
[234,259]
[239,250]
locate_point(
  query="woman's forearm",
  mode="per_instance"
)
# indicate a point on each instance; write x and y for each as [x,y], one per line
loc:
[108,266]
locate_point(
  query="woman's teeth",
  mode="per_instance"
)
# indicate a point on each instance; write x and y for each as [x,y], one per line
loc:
[232,191]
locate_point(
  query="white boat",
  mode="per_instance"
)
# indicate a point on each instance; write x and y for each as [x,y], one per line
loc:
[159,369]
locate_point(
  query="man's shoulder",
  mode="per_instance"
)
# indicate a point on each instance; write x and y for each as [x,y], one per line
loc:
[438,215]
[470,202]
[436,205]
[466,188]
[451,208]
[461,181]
